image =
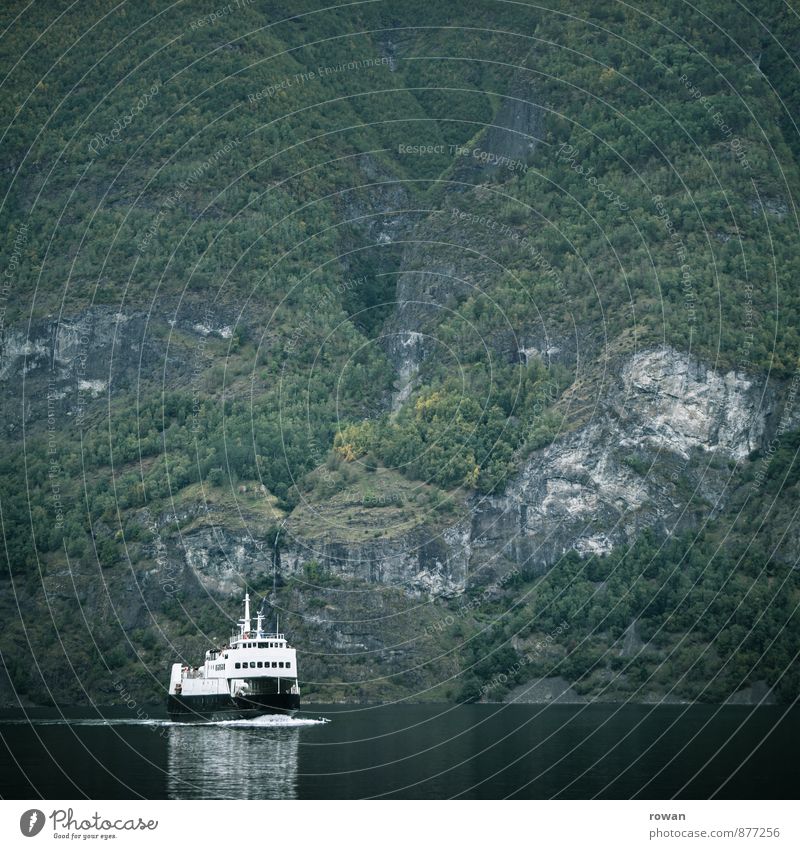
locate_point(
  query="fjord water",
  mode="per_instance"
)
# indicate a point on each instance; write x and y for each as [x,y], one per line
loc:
[409,751]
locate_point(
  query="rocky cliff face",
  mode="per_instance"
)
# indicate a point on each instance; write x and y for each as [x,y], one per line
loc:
[662,442]
[421,562]
[665,435]
[218,558]
[57,367]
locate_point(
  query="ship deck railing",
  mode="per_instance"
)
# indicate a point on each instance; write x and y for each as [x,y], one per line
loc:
[254,635]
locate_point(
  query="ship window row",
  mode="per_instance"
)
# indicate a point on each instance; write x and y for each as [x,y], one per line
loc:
[276,664]
[278,645]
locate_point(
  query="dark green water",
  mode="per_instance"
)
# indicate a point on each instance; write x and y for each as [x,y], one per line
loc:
[410,751]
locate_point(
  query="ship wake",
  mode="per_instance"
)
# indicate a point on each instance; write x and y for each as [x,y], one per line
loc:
[266,721]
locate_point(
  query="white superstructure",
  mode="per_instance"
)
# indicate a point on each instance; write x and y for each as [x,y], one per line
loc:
[255,663]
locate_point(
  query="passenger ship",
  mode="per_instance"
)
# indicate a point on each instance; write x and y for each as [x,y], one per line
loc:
[256,674]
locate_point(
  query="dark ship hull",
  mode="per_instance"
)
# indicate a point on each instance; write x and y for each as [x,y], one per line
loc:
[217,707]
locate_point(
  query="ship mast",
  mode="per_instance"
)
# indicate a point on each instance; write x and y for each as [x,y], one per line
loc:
[275,560]
[246,620]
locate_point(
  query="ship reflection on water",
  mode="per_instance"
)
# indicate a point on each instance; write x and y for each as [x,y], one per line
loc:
[233,760]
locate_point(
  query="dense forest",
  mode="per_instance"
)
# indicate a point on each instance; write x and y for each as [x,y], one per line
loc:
[281,175]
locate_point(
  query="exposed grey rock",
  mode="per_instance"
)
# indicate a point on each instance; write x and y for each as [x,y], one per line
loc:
[421,562]
[545,691]
[689,405]
[666,430]
[65,364]
[665,699]
[772,206]
[633,465]
[758,693]
[221,560]
[516,128]
[447,259]
[631,643]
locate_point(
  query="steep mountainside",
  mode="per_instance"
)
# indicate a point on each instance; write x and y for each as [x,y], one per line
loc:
[471,331]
